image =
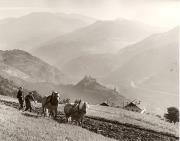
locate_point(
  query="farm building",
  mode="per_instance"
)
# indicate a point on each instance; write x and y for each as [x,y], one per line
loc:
[104,104]
[133,107]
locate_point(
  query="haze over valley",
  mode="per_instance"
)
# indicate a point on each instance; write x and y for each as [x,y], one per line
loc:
[95,58]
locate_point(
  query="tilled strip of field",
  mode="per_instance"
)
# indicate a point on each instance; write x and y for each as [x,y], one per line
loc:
[120,131]
[114,129]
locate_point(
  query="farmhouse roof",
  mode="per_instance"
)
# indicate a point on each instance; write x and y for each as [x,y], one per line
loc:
[104,104]
[131,104]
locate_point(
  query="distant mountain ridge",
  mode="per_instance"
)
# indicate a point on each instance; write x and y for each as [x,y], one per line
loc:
[161,49]
[29,31]
[99,37]
[154,53]
[149,70]
[95,64]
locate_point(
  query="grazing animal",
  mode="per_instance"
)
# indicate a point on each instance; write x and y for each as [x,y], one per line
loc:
[76,111]
[50,104]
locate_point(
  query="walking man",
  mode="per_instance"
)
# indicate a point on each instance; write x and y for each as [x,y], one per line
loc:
[20,97]
[28,100]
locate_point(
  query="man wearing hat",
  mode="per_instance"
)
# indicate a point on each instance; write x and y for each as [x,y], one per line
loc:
[20,97]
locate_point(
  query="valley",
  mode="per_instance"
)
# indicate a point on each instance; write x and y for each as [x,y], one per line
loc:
[83,70]
[122,67]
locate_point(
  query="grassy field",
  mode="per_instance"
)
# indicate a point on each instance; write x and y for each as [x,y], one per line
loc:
[123,116]
[142,120]
[19,126]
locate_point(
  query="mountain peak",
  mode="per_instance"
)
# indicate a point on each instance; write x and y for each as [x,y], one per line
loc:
[89,79]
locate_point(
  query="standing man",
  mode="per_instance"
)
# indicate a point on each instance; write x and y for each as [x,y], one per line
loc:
[28,100]
[20,97]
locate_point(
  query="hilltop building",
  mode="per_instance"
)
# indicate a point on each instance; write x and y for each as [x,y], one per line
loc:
[87,82]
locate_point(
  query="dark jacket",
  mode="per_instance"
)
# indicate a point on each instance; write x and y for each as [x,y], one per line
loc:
[20,95]
[29,97]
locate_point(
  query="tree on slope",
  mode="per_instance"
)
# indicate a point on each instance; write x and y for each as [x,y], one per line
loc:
[172,114]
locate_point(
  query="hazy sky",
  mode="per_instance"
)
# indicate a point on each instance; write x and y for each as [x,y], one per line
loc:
[154,12]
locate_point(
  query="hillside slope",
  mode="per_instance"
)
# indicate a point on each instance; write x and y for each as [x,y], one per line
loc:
[88,89]
[18,126]
[148,70]
[113,122]
[9,88]
[147,59]
[22,65]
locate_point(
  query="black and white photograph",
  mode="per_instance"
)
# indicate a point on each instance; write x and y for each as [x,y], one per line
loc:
[89,70]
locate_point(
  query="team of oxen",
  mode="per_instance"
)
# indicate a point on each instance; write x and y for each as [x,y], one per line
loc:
[73,111]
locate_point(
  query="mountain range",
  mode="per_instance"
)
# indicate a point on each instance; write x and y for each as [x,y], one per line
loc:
[147,70]
[136,59]
[32,30]
[99,37]
[95,64]
[143,61]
